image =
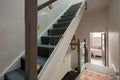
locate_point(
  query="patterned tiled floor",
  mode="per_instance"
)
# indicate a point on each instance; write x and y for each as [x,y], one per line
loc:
[97,61]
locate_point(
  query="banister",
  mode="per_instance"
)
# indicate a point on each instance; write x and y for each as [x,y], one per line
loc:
[56,58]
[78,50]
[45,4]
[86,52]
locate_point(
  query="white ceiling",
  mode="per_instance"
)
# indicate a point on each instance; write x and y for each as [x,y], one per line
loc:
[97,4]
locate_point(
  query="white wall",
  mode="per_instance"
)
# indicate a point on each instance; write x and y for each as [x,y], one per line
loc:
[114,34]
[11,31]
[95,21]
[96,4]
[65,67]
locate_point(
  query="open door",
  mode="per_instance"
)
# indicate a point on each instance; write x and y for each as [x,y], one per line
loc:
[103,47]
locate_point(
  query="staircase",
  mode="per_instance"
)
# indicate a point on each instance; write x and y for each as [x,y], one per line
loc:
[48,43]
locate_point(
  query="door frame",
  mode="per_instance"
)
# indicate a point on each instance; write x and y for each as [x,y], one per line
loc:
[103,47]
[107,55]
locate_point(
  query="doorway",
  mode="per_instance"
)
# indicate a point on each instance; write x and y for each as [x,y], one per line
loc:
[98,48]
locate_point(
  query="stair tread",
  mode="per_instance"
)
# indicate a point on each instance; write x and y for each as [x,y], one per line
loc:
[52,36]
[72,10]
[58,28]
[40,60]
[62,22]
[76,4]
[69,13]
[66,18]
[71,75]
[46,46]
[75,7]
[57,31]
[17,74]
[52,40]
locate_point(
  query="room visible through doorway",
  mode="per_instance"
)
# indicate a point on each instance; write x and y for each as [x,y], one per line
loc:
[98,48]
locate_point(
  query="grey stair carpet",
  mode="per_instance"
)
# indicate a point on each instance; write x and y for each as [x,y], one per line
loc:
[65,19]
[61,24]
[17,74]
[58,31]
[52,40]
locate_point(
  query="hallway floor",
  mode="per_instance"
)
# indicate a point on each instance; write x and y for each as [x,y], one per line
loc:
[100,69]
[97,61]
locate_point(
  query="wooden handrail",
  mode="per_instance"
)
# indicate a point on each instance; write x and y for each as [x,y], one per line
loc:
[45,4]
[73,41]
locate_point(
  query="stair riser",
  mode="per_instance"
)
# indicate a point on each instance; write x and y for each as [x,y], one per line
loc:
[68,15]
[22,64]
[65,19]
[61,25]
[40,61]
[50,40]
[76,5]
[73,8]
[71,11]
[56,32]
[44,52]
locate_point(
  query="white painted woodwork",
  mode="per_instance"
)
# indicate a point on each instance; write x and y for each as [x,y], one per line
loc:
[65,67]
